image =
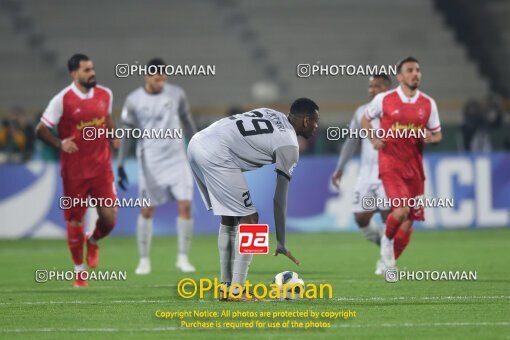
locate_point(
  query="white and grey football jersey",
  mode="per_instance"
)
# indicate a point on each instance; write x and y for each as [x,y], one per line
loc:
[369,167]
[252,139]
[159,111]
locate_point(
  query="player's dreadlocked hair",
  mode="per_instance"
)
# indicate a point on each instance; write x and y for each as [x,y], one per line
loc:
[304,106]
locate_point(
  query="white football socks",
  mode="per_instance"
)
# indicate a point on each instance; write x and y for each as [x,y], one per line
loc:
[224,249]
[240,268]
[80,268]
[372,232]
[144,235]
[184,233]
[227,250]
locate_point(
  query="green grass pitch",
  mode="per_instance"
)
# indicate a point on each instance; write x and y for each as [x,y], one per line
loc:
[412,309]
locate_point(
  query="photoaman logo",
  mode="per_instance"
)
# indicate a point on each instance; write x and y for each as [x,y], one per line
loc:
[253,239]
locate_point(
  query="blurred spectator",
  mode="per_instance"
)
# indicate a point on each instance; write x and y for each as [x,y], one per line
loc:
[498,119]
[17,137]
[472,114]
[494,111]
[44,151]
[480,119]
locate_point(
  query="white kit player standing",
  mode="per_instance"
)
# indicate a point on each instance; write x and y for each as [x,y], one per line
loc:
[163,168]
[368,183]
[218,156]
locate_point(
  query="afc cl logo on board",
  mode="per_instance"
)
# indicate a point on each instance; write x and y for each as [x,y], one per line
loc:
[253,239]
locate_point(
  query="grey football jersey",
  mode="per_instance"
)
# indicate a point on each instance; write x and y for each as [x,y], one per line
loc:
[163,110]
[252,139]
[369,167]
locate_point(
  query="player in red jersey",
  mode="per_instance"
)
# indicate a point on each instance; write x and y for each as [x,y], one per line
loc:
[86,167]
[401,159]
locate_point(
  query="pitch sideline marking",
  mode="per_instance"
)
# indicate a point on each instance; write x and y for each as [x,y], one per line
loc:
[397,298]
[163,329]
[70,288]
[354,299]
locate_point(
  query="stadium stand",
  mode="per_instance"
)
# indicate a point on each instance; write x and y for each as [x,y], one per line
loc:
[248,41]
[483,27]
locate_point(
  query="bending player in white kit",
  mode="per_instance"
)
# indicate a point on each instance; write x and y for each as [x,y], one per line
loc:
[218,156]
[368,183]
[163,168]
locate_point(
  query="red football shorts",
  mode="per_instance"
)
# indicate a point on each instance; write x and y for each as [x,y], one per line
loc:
[97,187]
[399,189]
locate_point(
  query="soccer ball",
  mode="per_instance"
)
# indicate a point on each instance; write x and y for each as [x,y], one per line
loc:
[293,282]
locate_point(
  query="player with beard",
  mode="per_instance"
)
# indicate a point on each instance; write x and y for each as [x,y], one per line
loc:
[401,159]
[86,167]
[368,183]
